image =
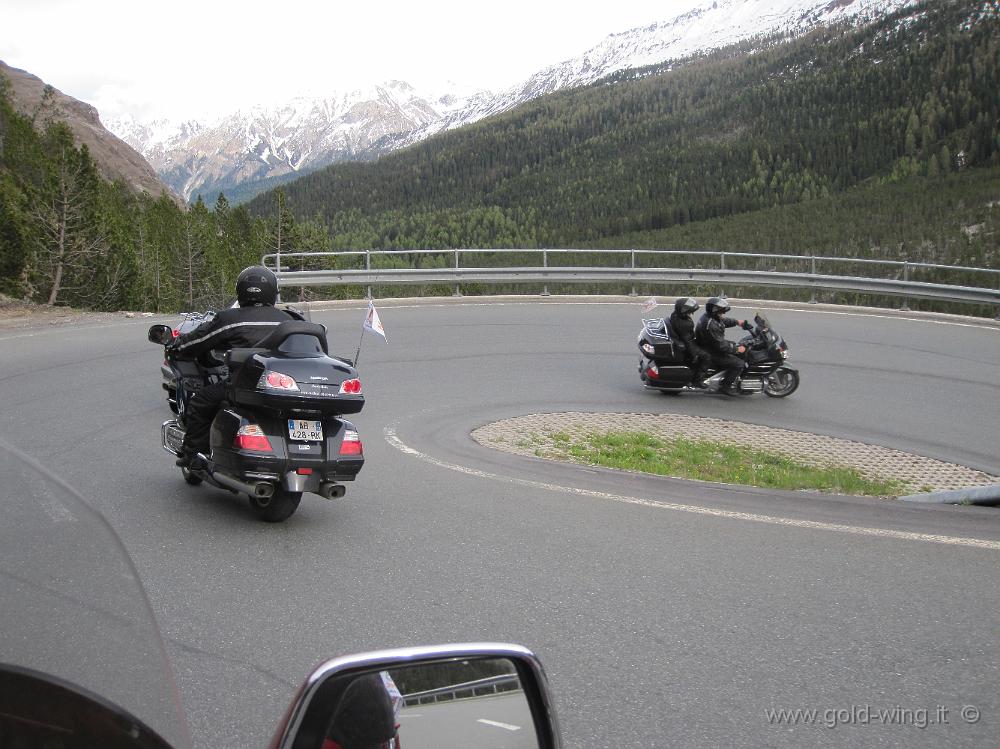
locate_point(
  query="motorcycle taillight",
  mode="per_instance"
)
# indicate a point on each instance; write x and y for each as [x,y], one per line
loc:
[350,387]
[252,437]
[272,380]
[351,444]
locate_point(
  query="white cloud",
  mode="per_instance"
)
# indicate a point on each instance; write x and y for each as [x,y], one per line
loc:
[190,59]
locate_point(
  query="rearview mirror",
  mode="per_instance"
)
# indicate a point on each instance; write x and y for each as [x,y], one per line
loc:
[486,695]
[161,334]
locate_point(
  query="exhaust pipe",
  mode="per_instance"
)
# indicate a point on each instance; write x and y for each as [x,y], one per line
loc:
[332,490]
[261,489]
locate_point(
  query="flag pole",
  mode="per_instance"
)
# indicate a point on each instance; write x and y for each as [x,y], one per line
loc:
[357,354]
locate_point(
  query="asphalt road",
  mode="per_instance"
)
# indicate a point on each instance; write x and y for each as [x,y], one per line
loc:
[659,624]
[500,721]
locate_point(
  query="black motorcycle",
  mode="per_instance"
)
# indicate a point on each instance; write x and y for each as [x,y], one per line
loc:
[663,365]
[280,432]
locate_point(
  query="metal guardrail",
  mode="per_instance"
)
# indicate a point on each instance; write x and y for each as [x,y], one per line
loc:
[477,688]
[643,266]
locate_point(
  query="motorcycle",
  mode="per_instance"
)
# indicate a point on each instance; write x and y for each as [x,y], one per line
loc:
[663,364]
[283,432]
[83,663]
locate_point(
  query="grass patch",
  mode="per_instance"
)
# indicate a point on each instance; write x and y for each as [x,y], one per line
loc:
[713,461]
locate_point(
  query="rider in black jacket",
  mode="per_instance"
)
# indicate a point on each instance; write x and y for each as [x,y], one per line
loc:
[236,327]
[711,333]
[683,326]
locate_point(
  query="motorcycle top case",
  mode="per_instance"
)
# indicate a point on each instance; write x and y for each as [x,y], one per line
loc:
[658,334]
[290,370]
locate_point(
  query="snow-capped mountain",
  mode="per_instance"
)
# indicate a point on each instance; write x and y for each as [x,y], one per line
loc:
[264,143]
[305,134]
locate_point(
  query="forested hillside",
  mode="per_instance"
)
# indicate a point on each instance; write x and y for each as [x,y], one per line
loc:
[912,99]
[69,237]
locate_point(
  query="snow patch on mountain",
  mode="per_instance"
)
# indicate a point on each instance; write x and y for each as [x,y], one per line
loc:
[308,133]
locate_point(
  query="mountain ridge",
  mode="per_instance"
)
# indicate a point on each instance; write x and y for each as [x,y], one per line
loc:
[218,157]
[115,159]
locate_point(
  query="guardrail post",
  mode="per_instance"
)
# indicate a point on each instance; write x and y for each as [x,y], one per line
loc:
[368,268]
[812,271]
[545,264]
[457,291]
[998,289]
[906,279]
[632,293]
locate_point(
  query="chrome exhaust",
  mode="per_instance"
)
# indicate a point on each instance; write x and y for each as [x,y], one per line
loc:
[331,490]
[261,489]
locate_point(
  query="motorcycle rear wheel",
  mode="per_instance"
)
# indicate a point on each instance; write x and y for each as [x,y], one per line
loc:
[781,382]
[278,507]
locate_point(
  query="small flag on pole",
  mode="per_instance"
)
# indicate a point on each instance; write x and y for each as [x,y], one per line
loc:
[372,322]
[649,304]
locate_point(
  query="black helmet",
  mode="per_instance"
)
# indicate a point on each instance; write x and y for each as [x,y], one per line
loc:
[717,304]
[364,717]
[256,285]
[685,306]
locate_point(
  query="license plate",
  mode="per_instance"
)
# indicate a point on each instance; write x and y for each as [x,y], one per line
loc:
[305,430]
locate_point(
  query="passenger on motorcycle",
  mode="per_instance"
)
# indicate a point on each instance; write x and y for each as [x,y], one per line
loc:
[711,334]
[236,327]
[683,326]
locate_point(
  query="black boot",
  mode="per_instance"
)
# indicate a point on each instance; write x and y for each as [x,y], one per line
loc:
[189,458]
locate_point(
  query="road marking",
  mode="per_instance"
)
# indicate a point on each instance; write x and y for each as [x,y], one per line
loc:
[498,724]
[975,543]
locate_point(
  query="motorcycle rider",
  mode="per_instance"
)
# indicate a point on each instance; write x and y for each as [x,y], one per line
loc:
[711,334]
[235,327]
[683,326]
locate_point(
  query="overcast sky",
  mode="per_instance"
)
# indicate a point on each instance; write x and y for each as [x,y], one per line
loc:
[195,59]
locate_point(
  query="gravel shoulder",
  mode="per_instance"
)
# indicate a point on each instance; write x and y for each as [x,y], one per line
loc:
[17,315]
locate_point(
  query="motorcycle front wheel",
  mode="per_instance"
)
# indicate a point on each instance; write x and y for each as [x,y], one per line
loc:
[781,382]
[276,508]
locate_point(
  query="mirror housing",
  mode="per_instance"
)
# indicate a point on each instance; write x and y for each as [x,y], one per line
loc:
[519,689]
[161,334]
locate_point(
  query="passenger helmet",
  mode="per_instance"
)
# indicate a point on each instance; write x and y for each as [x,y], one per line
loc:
[256,285]
[685,306]
[717,304]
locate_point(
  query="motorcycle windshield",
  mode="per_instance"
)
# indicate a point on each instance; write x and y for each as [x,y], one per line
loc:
[81,656]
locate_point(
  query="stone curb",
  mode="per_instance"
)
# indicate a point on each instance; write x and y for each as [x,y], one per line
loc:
[922,474]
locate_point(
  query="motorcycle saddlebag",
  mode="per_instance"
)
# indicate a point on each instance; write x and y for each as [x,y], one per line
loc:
[666,348]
